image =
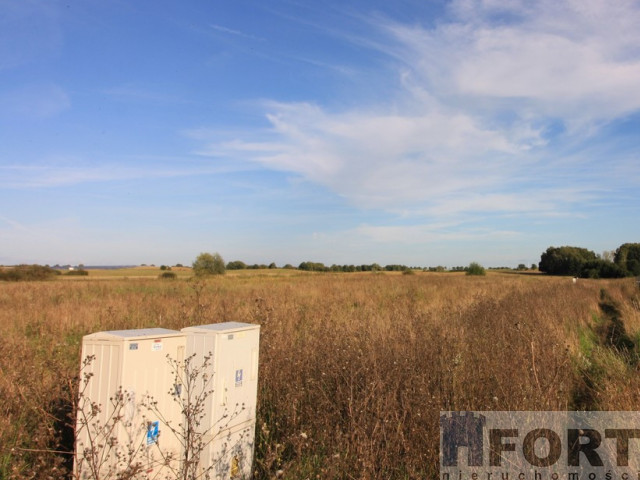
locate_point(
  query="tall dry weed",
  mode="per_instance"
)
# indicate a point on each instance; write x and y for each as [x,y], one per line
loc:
[354,368]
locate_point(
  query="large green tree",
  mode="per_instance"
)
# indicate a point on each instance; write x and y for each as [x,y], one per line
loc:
[565,260]
[601,268]
[627,256]
[208,264]
[581,262]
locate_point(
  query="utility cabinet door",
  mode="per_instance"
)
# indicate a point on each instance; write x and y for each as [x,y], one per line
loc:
[128,411]
[237,376]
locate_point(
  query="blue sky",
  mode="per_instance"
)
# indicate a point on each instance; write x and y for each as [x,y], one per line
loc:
[415,132]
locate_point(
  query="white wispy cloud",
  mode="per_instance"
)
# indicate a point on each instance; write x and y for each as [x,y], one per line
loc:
[67,172]
[411,234]
[574,60]
[483,105]
[232,31]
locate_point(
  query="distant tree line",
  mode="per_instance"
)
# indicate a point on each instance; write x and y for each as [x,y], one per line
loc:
[566,260]
[23,272]
[374,267]
[580,262]
[240,265]
[27,272]
[310,266]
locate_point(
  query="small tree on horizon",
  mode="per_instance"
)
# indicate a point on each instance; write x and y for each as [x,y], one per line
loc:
[475,268]
[208,264]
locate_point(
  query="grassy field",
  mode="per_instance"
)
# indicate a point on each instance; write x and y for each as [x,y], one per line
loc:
[354,368]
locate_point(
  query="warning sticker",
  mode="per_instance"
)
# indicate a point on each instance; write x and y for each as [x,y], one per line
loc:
[157,345]
[153,430]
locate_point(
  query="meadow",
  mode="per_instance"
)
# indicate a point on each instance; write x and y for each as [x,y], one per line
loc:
[354,368]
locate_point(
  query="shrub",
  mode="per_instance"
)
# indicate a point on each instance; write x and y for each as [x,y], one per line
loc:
[80,273]
[168,276]
[475,268]
[208,264]
[27,273]
[236,265]
[313,267]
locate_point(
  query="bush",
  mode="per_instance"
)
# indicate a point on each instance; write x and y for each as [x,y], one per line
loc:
[208,264]
[168,276]
[80,272]
[236,265]
[476,269]
[27,273]
[313,267]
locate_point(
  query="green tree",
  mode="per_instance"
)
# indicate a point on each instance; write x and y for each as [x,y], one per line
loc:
[565,260]
[208,264]
[313,267]
[602,269]
[475,268]
[627,256]
[236,265]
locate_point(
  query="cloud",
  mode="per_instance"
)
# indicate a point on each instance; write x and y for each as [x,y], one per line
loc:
[59,172]
[231,31]
[437,232]
[578,61]
[438,163]
[490,109]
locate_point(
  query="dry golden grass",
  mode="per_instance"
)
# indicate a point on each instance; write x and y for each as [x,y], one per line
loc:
[354,368]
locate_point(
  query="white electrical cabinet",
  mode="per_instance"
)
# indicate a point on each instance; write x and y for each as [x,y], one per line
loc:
[127,405]
[230,410]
